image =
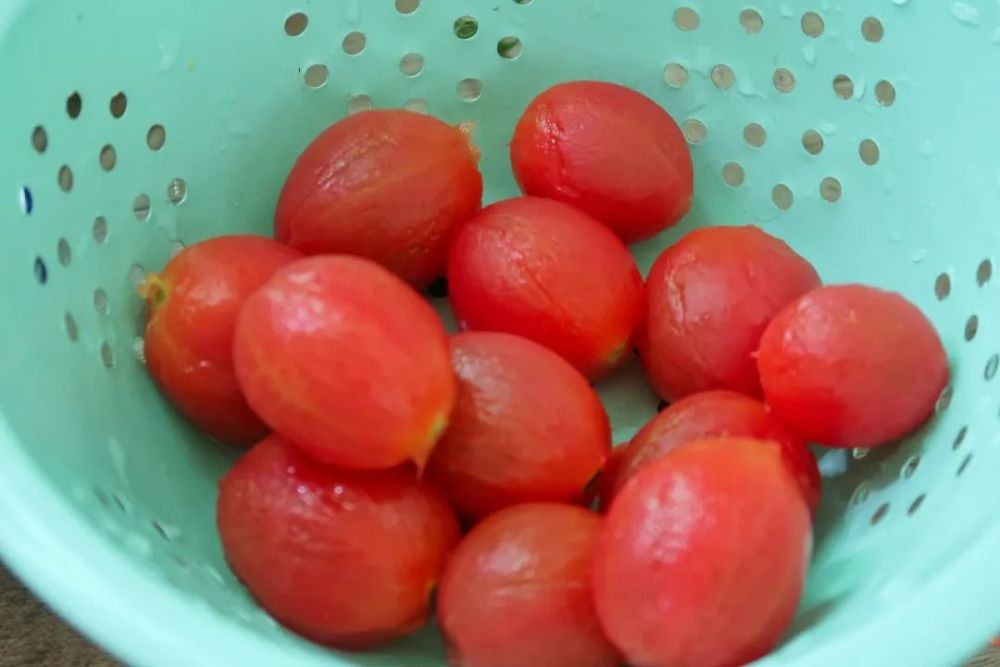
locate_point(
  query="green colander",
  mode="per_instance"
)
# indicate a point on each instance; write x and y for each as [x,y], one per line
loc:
[864,133]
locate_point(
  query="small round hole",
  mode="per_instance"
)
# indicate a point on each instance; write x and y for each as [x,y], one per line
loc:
[407,6]
[469,90]
[984,272]
[416,105]
[675,74]
[812,141]
[316,75]
[101,301]
[509,47]
[74,105]
[686,19]
[754,135]
[733,174]
[100,229]
[39,139]
[354,43]
[830,189]
[751,20]
[723,77]
[141,207]
[782,196]
[858,453]
[843,86]
[964,464]
[108,157]
[118,105]
[915,505]
[872,29]
[296,24]
[784,80]
[861,493]
[65,178]
[411,64]
[358,103]
[910,467]
[694,130]
[959,437]
[107,357]
[942,286]
[465,27]
[971,327]
[944,401]
[812,24]
[156,137]
[26,199]
[869,152]
[41,271]
[879,514]
[72,331]
[176,191]
[991,366]
[64,252]
[885,93]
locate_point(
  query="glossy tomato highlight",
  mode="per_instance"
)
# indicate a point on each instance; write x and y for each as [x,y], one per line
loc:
[708,299]
[526,427]
[347,361]
[346,558]
[607,150]
[852,366]
[386,184]
[702,557]
[517,592]
[549,272]
[193,305]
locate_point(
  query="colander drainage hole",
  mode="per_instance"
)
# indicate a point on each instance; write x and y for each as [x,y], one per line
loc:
[971,327]
[156,137]
[675,75]
[964,465]
[316,75]
[885,93]
[960,437]
[354,43]
[915,505]
[411,64]
[359,103]
[296,24]
[118,105]
[469,90]
[465,27]
[65,178]
[69,323]
[416,105]
[752,21]
[108,157]
[509,47]
[100,230]
[27,200]
[686,19]
[944,400]
[41,271]
[107,356]
[101,301]
[407,6]
[39,139]
[910,467]
[755,135]
[141,207]
[984,272]
[74,105]
[991,366]
[880,514]
[64,252]
[942,286]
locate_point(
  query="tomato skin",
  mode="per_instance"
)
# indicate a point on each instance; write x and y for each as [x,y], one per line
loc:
[852,366]
[708,299]
[347,361]
[517,591]
[386,184]
[714,414]
[702,557]
[193,305]
[346,558]
[526,266]
[609,151]
[502,447]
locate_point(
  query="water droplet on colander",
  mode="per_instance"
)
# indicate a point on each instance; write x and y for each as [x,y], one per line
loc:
[827,129]
[139,544]
[746,88]
[926,148]
[168,54]
[859,87]
[214,574]
[168,532]
[833,463]
[918,255]
[965,13]
[809,54]
[117,453]
[785,11]
[139,349]
[899,2]
[995,35]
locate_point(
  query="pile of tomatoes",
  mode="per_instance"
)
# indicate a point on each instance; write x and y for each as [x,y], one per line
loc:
[376,440]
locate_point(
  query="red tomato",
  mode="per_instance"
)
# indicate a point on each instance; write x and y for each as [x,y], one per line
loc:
[347,558]
[708,299]
[609,151]
[517,592]
[852,366]
[702,558]
[193,306]
[714,414]
[548,272]
[347,361]
[526,427]
[389,185]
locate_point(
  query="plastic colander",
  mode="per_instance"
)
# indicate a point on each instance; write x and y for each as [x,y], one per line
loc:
[864,133]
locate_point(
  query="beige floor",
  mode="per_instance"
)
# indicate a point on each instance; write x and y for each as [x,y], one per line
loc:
[30,635]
